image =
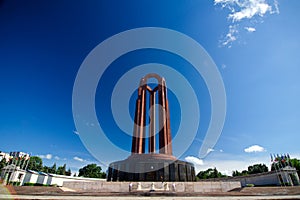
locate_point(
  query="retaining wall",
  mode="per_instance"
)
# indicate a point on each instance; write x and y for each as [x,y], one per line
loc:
[199,187]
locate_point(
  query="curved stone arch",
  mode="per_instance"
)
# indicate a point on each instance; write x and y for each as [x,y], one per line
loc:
[160,82]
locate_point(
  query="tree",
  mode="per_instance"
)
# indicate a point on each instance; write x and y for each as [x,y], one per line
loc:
[3,163]
[46,169]
[35,163]
[210,173]
[52,169]
[252,169]
[68,173]
[237,173]
[257,168]
[295,163]
[61,170]
[92,171]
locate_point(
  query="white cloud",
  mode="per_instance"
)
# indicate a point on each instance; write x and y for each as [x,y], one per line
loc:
[250,29]
[249,9]
[276,6]
[210,150]
[47,156]
[254,148]
[78,159]
[243,10]
[76,132]
[231,36]
[56,158]
[194,160]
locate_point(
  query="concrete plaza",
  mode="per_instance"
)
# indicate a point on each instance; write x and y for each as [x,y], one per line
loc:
[53,197]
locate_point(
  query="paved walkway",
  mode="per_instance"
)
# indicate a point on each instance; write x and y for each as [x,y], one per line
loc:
[44,197]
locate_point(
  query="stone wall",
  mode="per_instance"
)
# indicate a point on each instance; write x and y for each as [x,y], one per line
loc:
[199,187]
[270,178]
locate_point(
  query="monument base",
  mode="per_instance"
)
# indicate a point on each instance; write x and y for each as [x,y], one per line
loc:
[151,167]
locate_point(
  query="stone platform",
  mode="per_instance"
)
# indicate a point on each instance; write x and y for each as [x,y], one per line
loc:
[151,167]
[177,187]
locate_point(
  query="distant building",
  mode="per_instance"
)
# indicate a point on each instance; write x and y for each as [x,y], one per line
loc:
[14,174]
[4,155]
[286,176]
[19,154]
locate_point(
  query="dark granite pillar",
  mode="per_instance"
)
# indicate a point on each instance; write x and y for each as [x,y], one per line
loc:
[152,130]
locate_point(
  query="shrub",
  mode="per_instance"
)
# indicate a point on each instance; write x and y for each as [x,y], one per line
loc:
[15,183]
[34,184]
[28,184]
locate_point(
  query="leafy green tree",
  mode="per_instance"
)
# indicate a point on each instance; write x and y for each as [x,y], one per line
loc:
[35,163]
[210,173]
[92,171]
[52,169]
[2,163]
[68,173]
[46,169]
[295,163]
[237,173]
[61,170]
[253,169]
[257,168]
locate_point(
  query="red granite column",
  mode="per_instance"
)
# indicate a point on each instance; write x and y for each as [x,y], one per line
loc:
[169,138]
[165,133]
[137,123]
[141,142]
[162,118]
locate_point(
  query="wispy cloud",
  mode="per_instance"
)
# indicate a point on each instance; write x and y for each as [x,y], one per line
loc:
[78,159]
[47,156]
[194,160]
[250,29]
[76,132]
[231,36]
[209,150]
[254,148]
[243,10]
[249,9]
[56,158]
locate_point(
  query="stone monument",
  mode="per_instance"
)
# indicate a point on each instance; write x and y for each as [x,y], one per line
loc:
[158,163]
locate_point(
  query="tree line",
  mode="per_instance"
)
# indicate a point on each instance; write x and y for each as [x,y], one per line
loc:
[253,169]
[35,163]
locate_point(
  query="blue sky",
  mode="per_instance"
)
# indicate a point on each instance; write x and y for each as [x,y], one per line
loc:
[254,44]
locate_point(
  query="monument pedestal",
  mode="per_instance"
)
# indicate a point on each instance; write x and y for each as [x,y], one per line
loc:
[151,167]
